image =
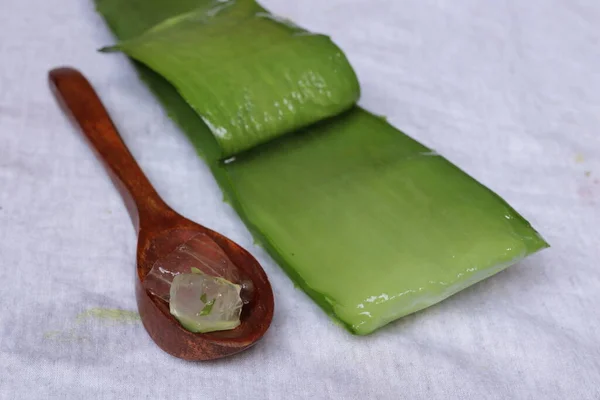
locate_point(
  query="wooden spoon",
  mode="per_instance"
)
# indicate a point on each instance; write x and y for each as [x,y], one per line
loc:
[160,231]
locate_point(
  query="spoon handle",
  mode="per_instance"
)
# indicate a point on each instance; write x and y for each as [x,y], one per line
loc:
[81,103]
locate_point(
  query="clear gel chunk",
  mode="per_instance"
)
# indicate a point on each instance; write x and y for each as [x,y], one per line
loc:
[202,285]
[203,303]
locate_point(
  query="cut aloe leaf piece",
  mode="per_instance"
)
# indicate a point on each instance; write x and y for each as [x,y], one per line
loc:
[372,224]
[250,75]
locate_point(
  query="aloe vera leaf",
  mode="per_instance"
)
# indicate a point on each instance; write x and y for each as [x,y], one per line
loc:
[120,15]
[356,168]
[376,225]
[250,75]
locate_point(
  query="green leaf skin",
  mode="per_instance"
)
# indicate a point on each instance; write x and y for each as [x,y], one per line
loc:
[368,222]
[207,308]
[251,76]
[195,270]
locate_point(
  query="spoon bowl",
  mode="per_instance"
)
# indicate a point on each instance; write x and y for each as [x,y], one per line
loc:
[160,231]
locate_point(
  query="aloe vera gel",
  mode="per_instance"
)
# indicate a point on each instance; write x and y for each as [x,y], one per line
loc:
[197,279]
[370,223]
[204,303]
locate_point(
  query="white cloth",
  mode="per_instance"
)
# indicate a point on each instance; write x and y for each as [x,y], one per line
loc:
[508,90]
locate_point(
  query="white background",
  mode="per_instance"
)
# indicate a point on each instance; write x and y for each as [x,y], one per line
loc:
[508,90]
